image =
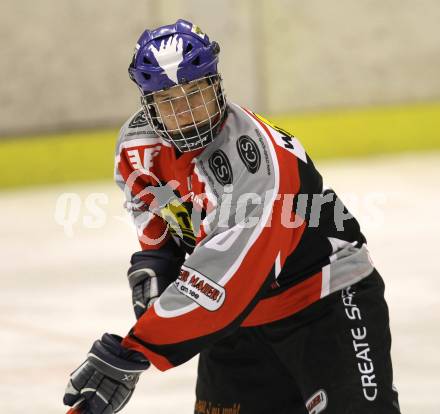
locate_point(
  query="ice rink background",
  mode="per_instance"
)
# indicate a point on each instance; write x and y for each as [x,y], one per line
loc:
[60,292]
[62,287]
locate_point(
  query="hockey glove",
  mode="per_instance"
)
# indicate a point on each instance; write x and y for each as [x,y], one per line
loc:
[150,274]
[107,378]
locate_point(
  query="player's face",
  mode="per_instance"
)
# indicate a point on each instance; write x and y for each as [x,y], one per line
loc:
[182,108]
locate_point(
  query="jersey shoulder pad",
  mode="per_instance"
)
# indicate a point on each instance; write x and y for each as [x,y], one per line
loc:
[137,132]
[137,125]
[283,138]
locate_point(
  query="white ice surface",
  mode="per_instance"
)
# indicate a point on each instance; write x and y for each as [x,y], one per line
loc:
[58,293]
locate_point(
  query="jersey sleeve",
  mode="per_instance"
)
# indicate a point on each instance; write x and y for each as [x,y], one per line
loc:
[223,279]
[152,230]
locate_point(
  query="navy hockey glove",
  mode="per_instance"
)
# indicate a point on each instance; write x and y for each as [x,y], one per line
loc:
[151,273]
[107,378]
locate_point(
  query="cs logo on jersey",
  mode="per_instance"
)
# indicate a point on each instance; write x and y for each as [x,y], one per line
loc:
[249,153]
[221,167]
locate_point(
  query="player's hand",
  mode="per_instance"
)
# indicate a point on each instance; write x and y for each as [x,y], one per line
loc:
[146,288]
[150,274]
[107,378]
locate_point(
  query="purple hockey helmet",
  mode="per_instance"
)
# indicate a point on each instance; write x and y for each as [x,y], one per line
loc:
[174,55]
[171,55]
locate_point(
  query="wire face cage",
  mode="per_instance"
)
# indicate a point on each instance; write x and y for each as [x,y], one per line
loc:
[188,115]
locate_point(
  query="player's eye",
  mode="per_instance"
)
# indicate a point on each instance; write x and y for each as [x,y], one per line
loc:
[163,98]
[193,93]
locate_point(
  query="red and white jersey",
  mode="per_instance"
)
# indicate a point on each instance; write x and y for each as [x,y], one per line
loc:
[263,238]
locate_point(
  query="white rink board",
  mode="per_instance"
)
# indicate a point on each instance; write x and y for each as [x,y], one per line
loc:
[59,293]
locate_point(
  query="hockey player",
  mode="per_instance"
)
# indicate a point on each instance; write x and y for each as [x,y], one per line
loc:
[247,258]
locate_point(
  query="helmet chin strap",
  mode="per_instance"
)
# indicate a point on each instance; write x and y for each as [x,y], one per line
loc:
[199,134]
